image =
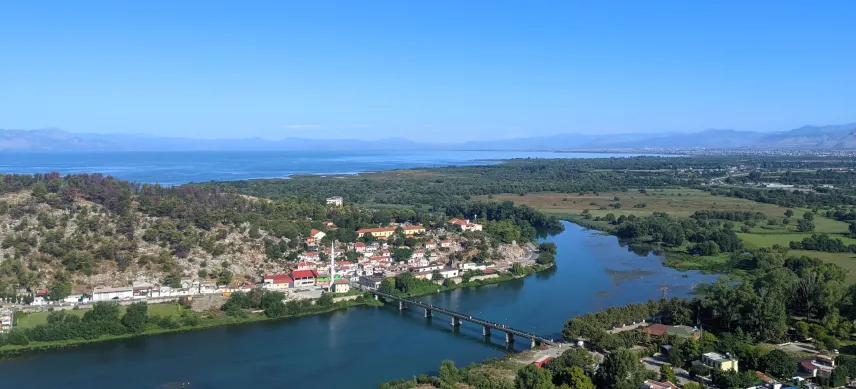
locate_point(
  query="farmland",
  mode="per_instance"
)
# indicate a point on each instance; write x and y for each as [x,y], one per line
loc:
[36,318]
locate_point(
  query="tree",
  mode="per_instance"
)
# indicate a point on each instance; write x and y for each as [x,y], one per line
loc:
[575,378]
[808,216]
[448,373]
[805,225]
[621,369]
[778,364]
[136,317]
[436,275]
[325,300]
[387,286]
[534,377]
[692,385]
[667,373]
[60,290]
[789,213]
[102,311]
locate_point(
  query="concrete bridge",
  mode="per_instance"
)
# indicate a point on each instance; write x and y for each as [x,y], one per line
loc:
[458,318]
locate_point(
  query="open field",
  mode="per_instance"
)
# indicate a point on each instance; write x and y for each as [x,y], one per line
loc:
[680,202]
[782,238]
[845,260]
[34,319]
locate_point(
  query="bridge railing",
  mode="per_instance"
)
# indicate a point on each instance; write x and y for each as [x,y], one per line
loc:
[463,316]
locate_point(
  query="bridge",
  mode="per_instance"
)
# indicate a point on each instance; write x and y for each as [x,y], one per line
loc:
[458,318]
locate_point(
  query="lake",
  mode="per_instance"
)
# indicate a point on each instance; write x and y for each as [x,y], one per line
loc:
[361,347]
[180,167]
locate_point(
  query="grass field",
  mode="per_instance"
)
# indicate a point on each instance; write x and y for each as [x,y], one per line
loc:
[681,202]
[34,319]
[684,202]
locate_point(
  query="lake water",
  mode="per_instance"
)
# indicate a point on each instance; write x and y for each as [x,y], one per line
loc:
[202,166]
[360,347]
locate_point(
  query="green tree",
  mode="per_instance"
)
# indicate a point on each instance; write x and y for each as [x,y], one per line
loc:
[621,369]
[387,286]
[805,225]
[136,317]
[534,377]
[448,373]
[575,378]
[789,213]
[325,300]
[778,364]
[102,311]
[60,289]
[808,216]
[667,373]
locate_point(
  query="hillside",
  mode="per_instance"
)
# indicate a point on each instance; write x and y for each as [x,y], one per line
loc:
[74,233]
[837,137]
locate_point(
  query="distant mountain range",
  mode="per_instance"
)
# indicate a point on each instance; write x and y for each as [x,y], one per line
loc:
[835,137]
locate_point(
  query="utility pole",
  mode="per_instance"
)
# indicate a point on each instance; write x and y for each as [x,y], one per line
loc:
[332,264]
[665,289]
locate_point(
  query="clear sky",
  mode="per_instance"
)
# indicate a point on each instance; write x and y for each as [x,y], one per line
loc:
[425,70]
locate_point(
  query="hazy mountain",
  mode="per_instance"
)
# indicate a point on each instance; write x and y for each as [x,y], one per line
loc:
[808,137]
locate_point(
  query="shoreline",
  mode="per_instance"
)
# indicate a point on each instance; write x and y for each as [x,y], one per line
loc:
[11,351]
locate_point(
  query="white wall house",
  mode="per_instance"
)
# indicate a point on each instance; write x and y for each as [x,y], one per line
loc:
[120,293]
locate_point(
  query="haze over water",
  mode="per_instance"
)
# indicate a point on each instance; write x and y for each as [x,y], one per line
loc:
[173,168]
[361,347]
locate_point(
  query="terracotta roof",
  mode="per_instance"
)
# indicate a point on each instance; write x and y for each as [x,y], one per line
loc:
[341,282]
[656,329]
[413,227]
[304,274]
[383,229]
[314,232]
[359,244]
[279,278]
[763,377]
[808,365]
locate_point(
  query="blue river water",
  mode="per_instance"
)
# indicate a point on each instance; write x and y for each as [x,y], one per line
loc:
[360,347]
[201,166]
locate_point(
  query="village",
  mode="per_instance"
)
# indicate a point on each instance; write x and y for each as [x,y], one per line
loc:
[432,254]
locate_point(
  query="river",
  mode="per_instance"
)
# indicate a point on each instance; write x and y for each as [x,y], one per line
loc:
[360,347]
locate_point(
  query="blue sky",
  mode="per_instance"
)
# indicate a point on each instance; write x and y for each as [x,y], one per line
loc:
[425,70]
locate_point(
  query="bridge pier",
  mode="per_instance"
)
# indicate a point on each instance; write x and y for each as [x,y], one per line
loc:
[534,343]
[509,338]
[401,305]
[485,330]
[427,312]
[456,322]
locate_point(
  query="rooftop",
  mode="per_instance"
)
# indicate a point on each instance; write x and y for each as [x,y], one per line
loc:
[716,357]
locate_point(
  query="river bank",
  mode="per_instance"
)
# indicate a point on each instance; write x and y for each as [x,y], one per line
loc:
[205,322]
[219,319]
[371,344]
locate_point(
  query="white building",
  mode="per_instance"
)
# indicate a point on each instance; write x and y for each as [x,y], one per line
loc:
[120,293]
[336,200]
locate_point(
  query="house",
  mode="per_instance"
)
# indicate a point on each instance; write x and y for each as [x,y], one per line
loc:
[680,331]
[385,253]
[304,278]
[718,361]
[330,225]
[317,235]
[370,281]
[428,268]
[105,294]
[430,245]
[336,200]
[445,243]
[309,256]
[540,362]
[418,262]
[449,272]
[142,290]
[809,367]
[825,360]
[651,384]
[341,286]
[378,233]
[360,247]
[413,229]
[278,281]
[418,254]
[465,225]
[305,265]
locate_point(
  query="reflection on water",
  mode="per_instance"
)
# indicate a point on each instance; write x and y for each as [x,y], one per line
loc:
[360,347]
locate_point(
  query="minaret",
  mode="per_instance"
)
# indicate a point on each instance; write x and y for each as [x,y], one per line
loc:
[332,265]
